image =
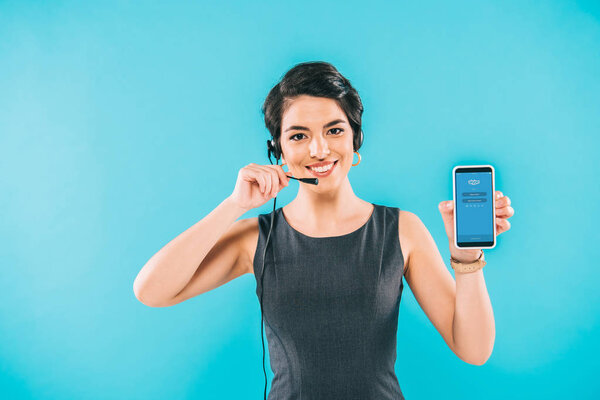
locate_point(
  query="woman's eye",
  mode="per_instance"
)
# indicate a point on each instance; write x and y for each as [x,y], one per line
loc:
[302,134]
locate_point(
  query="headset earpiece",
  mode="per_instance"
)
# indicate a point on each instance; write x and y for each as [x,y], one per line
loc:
[360,140]
[272,149]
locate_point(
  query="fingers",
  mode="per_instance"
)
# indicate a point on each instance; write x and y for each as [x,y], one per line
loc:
[280,179]
[283,178]
[260,178]
[256,173]
[503,208]
[502,201]
[272,178]
[274,182]
[505,212]
[262,183]
[269,184]
[502,225]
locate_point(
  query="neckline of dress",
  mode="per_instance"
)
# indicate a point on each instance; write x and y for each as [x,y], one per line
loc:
[328,237]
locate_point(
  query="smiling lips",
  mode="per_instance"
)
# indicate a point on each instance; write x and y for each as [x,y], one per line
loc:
[322,171]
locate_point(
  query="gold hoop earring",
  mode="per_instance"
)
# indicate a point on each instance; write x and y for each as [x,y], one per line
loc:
[283,165]
[358,154]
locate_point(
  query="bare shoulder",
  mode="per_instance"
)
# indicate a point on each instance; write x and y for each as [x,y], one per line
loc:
[249,230]
[407,222]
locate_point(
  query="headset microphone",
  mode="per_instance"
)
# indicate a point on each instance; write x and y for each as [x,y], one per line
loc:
[312,181]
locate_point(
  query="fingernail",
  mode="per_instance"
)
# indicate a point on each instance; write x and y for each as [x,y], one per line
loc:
[449,204]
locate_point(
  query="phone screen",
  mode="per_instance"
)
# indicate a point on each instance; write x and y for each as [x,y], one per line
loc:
[475,214]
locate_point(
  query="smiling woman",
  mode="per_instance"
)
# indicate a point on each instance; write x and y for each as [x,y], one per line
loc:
[318,80]
[332,279]
[329,266]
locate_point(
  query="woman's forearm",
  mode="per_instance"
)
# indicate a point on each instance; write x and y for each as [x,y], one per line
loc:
[171,268]
[473,327]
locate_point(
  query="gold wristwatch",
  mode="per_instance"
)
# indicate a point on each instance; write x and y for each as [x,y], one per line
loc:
[461,267]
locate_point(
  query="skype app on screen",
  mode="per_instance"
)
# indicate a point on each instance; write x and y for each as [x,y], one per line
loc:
[474,213]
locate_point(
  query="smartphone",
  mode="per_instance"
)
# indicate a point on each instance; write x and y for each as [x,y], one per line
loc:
[474,206]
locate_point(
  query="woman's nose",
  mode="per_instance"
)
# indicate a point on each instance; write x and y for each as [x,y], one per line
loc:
[318,147]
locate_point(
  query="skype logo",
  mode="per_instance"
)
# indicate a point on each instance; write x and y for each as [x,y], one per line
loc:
[473,182]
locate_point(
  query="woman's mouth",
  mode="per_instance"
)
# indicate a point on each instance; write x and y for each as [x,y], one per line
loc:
[325,171]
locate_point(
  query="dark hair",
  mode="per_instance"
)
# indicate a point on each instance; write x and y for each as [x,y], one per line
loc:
[313,78]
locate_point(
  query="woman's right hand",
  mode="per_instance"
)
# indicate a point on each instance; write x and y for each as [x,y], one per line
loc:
[257,184]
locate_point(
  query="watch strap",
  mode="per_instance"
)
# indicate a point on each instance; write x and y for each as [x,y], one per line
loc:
[461,267]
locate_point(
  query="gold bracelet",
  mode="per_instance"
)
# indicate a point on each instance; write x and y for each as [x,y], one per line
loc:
[461,267]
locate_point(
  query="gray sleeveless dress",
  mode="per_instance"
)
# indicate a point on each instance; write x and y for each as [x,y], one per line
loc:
[331,309]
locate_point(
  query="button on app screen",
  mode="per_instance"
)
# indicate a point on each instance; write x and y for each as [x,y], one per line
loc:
[474,214]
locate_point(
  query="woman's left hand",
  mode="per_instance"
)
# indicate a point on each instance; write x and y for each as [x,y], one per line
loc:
[503,212]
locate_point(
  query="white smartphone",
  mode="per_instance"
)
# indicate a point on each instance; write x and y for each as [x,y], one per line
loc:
[474,206]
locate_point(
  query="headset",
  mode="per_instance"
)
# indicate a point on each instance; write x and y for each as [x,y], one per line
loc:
[273,148]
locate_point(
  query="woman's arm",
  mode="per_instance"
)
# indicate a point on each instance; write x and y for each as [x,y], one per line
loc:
[170,270]
[474,329]
[460,311]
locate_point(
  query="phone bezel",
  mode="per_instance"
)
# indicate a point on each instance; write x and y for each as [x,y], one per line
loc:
[474,168]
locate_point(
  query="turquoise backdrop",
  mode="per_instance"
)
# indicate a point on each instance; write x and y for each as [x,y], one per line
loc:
[124,123]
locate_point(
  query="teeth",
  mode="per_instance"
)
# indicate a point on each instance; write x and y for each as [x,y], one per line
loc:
[322,169]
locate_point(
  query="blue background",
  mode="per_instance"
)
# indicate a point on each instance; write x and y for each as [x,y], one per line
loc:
[124,123]
[476,217]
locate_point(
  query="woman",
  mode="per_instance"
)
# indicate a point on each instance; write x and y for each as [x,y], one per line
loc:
[333,268]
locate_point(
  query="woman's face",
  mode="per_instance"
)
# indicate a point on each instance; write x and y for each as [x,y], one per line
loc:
[313,130]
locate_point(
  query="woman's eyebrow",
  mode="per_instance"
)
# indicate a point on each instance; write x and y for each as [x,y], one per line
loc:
[303,128]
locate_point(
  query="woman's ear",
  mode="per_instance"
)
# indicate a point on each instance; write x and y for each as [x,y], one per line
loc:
[282,158]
